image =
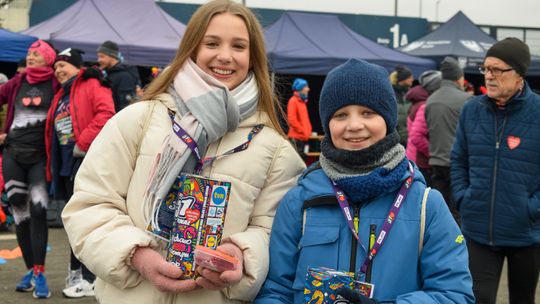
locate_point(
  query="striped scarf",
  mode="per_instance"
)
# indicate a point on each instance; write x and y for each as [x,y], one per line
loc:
[207,110]
[365,174]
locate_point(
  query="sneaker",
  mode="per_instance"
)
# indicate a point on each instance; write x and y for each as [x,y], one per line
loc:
[27,282]
[73,278]
[83,289]
[42,289]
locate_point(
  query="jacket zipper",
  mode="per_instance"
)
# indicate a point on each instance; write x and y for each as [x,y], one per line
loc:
[352,265]
[498,137]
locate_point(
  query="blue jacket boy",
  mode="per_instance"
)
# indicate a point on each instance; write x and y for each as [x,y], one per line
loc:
[363,164]
[439,274]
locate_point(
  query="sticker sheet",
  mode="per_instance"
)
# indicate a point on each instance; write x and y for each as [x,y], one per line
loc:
[199,216]
[322,285]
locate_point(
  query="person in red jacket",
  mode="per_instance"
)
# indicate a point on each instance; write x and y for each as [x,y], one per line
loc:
[78,112]
[297,115]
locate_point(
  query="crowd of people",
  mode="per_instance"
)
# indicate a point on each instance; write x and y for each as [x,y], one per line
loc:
[421,191]
[55,107]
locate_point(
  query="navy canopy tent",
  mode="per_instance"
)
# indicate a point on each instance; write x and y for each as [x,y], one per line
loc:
[313,44]
[458,37]
[14,45]
[461,38]
[145,34]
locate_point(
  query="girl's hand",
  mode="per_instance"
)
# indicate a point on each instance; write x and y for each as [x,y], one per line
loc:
[162,274]
[212,280]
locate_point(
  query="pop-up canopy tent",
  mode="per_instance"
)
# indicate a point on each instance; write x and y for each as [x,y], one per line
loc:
[458,37]
[14,45]
[313,44]
[145,34]
[461,38]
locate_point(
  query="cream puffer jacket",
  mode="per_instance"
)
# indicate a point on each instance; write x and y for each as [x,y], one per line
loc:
[105,224]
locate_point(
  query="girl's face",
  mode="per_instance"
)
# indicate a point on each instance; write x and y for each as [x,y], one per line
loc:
[34,59]
[64,71]
[224,50]
[356,127]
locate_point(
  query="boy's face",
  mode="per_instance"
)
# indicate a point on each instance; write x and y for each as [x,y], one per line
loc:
[356,127]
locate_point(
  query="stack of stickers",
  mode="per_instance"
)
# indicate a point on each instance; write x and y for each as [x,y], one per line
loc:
[192,214]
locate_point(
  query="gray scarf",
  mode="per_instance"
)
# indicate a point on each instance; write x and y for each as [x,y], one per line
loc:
[207,110]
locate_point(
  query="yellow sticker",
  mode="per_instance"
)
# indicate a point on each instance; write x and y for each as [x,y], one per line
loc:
[460,239]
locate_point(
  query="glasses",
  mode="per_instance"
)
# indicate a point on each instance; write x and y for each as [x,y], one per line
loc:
[494,71]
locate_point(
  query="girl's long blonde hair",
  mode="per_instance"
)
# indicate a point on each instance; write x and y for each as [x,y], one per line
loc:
[193,36]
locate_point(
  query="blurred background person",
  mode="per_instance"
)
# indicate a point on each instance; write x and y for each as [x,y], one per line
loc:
[402,79]
[124,78]
[418,139]
[78,112]
[3,79]
[298,116]
[28,96]
[468,87]
[442,114]
[21,66]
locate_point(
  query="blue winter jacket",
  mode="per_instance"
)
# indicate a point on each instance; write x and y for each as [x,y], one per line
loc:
[495,171]
[439,274]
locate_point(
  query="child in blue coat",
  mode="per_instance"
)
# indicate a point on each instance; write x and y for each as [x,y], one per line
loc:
[365,188]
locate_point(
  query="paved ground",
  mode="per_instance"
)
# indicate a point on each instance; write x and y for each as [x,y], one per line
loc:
[56,268]
[57,260]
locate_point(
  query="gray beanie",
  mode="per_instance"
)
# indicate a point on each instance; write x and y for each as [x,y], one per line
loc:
[357,82]
[450,69]
[430,80]
[109,48]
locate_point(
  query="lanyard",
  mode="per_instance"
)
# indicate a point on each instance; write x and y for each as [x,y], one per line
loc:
[387,226]
[192,144]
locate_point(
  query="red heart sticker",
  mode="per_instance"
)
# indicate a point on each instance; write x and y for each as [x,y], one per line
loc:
[26,101]
[192,215]
[513,142]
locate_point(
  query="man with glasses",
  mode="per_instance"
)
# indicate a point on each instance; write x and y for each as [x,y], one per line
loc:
[442,114]
[496,176]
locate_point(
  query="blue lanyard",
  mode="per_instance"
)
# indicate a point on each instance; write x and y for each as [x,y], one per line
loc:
[192,144]
[387,226]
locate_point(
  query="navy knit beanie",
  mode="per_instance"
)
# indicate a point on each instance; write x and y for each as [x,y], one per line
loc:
[357,82]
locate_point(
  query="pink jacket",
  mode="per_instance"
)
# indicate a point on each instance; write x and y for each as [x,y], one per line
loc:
[418,141]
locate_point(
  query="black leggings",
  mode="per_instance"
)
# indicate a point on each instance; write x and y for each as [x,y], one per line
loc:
[440,180]
[486,262]
[74,263]
[26,189]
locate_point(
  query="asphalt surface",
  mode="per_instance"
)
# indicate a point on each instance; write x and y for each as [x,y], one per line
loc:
[56,269]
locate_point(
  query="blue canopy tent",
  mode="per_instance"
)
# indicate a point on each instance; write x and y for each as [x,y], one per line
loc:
[145,34]
[461,38]
[313,44]
[14,45]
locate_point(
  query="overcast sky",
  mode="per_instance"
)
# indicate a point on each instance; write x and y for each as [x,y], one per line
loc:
[521,13]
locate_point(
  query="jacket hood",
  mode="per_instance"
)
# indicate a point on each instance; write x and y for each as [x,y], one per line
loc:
[417,94]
